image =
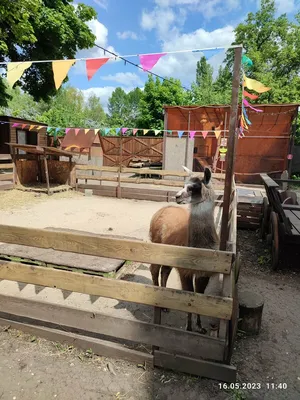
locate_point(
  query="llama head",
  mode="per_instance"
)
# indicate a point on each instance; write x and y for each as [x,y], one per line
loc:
[196,189]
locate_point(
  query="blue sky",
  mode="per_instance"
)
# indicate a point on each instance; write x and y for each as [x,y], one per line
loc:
[149,26]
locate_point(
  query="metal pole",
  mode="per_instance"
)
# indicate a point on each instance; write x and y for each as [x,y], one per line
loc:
[232,140]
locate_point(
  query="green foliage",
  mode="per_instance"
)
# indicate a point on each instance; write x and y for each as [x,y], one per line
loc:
[41,30]
[273,44]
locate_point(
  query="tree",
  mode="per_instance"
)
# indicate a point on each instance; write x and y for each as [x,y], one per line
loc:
[222,86]
[134,98]
[155,96]
[42,30]
[202,90]
[94,115]
[273,44]
[118,106]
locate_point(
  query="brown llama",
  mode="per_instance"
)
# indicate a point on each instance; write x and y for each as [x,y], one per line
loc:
[194,227]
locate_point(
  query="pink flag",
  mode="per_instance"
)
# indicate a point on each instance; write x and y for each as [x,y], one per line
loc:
[15,125]
[247,104]
[204,134]
[134,131]
[67,130]
[123,130]
[76,131]
[149,60]
[192,134]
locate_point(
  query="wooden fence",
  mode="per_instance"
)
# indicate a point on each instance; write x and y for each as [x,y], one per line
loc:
[175,349]
[6,172]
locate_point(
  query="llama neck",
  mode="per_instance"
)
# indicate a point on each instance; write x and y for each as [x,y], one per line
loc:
[202,231]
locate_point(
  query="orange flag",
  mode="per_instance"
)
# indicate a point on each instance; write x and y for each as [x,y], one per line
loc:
[93,65]
[217,134]
[60,70]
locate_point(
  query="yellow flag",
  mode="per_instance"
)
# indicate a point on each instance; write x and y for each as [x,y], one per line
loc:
[60,70]
[32,127]
[217,134]
[40,127]
[145,131]
[96,131]
[244,121]
[156,132]
[255,85]
[15,71]
[86,131]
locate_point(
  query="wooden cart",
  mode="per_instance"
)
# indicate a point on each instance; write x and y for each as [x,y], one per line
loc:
[280,223]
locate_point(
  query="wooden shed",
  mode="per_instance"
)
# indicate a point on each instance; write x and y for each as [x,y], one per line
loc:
[21,131]
[264,148]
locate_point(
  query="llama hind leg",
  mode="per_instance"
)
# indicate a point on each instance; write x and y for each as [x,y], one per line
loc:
[154,269]
[164,275]
[187,284]
[200,286]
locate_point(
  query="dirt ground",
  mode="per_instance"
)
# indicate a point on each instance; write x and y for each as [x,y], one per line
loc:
[32,368]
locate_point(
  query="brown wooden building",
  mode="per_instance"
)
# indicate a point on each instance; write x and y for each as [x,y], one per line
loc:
[25,133]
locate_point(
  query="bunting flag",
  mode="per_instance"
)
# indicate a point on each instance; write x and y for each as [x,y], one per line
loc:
[247,61]
[15,125]
[134,131]
[257,86]
[77,131]
[217,134]
[96,131]
[169,131]
[49,129]
[123,130]
[15,70]
[247,104]
[32,127]
[156,131]
[180,134]
[67,130]
[192,134]
[93,65]
[148,61]
[24,126]
[40,127]
[245,115]
[106,131]
[118,130]
[209,53]
[145,131]
[249,95]
[204,134]
[244,122]
[60,70]
[86,131]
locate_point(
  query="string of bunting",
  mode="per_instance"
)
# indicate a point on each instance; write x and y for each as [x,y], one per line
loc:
[53,131]
[61,68]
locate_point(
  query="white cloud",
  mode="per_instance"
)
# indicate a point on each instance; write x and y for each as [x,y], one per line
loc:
[161,19]
[124,78]
[286,6]
[127,35]
[101,3]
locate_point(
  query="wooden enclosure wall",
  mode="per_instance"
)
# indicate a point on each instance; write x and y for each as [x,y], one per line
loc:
[41,134]
[27,171]
[144,147]
[59,171]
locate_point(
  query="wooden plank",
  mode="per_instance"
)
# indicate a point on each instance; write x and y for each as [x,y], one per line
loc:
[7,186]
[96,168]
[206,369]
[99,347]
[97,178]
[6,177]
[47,174]
[5,157]
[78,320]
[294,221]
[214,306]
[96,245]
[163,172]
[7,166]
[269,182]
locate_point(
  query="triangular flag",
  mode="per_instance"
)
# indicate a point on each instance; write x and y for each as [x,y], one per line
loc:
[149,60]
[57,130]
[156,132]
[49,129]
[134,131]
[15,125]
[251,96]
[67,130]
[255,85]
[244,122]
[93,65]
[180,133]
[86,131]
[77,131]
[32,127]
[106,131]
[211,53]
[192,134]
[24,126]
[246,60]
[15,70]
[204,134]
[118,130]
[96,131]
[145,131]
[217,134]
[38,128]
[169,131]
[247,104]
[123,130]
[60,70]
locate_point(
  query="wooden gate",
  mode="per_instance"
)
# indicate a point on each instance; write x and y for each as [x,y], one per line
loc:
[117,149]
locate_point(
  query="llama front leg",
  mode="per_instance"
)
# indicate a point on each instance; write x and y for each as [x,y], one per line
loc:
[200,286]
[164,275]
[187,284]
[154,269]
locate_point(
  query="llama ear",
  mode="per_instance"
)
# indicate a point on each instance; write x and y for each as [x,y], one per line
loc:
[188,171]
[207,176]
